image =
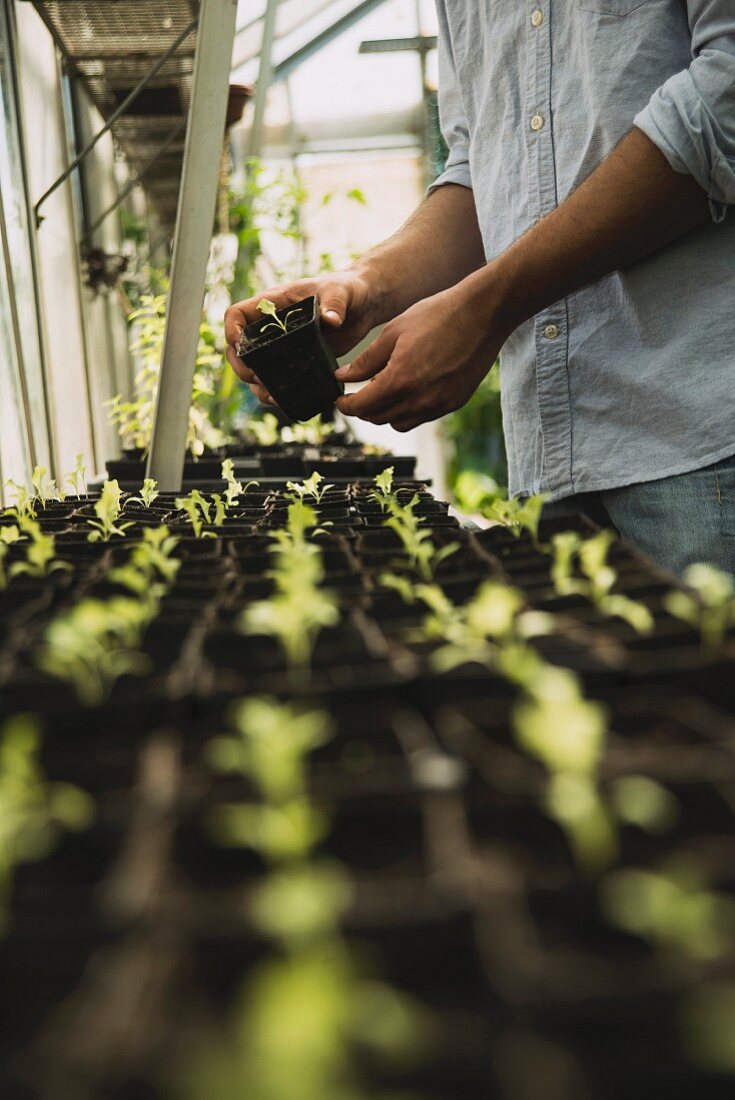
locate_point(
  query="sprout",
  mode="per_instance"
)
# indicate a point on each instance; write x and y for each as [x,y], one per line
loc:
[33,813]
[709,607]
[674,909]
[44,485]
[269,308]
[77,479]
[311,487]
[266,431]
[199,512]
[40,558]
[94,643]
[107,509]
[271,745]
[234,488]
[598,577]
[422,555]
[383,494]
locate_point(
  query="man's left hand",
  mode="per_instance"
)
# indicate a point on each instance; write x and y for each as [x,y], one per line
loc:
[425,363]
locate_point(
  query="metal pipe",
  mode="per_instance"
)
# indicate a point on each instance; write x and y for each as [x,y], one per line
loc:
[265,76]
[134,181]
[129,99]
[195,217]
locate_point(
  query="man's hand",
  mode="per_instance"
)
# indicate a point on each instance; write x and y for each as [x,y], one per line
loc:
[425,363]
[346,308]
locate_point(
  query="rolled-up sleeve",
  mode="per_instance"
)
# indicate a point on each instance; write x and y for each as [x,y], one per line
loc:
[451,116]
[691,118]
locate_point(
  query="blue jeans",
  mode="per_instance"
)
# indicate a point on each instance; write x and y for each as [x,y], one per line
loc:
[676,520]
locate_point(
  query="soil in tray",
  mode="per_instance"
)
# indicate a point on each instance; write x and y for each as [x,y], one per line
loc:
[227,649]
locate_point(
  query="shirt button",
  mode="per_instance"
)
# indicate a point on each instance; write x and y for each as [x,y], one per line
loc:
[537,18]
[537,122]
[551,332]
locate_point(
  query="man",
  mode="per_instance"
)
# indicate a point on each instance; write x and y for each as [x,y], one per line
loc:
[580,226]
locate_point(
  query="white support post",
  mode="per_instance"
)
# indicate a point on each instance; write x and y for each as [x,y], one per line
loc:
[265,77]
[194,224]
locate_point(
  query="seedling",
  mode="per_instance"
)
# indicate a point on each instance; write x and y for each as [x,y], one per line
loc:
[517,516]
[107,508]
[710,605]
[11,534]
[422,556]
[312,487]
[314,432]
[598,577]
[151,567]
[270,310]
[77,479]
[44,485]
[298,611]
[40,558]
[674,909]
[148,493]
[23,509]
[271,745]
[382,494]
[283,833]
[94,643]
[234,488]
[33,812]
[199,512]
[266,431]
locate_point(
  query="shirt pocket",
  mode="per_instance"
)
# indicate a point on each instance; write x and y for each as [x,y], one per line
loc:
[611,7]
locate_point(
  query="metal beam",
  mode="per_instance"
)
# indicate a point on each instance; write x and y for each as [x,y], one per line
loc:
[265,76]
[134,181]
[319,41]
[194,222]
[112,119]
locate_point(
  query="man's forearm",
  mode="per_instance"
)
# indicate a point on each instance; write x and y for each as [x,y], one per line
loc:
[439,246]
[630,206]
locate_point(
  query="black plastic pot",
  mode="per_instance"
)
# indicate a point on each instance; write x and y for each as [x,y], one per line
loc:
[297,367]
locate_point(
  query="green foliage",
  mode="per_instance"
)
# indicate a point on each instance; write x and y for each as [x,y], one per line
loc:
[199,512]
[270,309]
[40,560]
[149,491]
[151,567]
[108,509]
[266,432]
[597,578]
[271,745]
[297,612]
[710,605]
[475,435]
[45,486]
[421,555]
[134,418]
[299,609]
[77,479]
[94,643]
[383,494]
[673,908]
[314,432]
[312,487]
[33,812]
[23,509]
[235,488]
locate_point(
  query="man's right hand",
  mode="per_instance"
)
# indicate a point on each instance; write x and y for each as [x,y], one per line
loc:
[346,306]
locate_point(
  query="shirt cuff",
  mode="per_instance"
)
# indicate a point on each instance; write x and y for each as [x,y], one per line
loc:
[696,139]
[454,173]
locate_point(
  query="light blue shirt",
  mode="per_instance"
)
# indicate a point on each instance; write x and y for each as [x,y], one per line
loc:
[633,378]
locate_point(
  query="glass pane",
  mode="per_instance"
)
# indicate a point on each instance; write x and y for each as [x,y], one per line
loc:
[20,275]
